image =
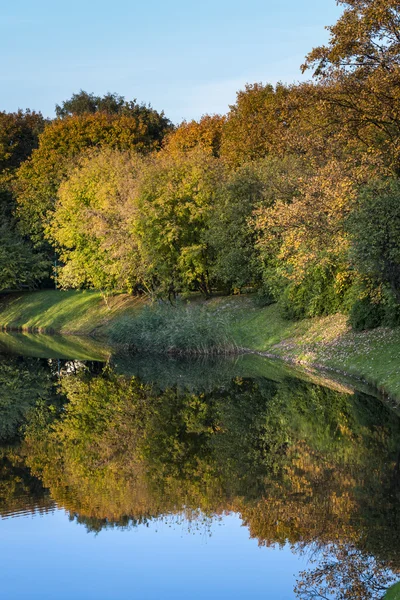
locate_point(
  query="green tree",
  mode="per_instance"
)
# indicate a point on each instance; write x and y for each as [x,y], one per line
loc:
[231,233]
[24,382]
[91,226]
[374,227]
[19,134]
[113,104]
[19,265]
[175,197]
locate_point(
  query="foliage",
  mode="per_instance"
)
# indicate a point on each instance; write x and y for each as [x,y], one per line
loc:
[255,123]
[361,62]
[19,133]
[60,145]
[23,382]
[366,314]
[230,233]
[19,266]
[205,134]
[287,456]
[175,197]
[92,223]
[317,294]
[348,572]
[375,232]
[293,193]
[113,104]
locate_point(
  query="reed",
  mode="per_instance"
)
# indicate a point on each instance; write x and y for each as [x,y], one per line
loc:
[179,329]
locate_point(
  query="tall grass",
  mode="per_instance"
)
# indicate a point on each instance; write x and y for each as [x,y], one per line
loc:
[180,329]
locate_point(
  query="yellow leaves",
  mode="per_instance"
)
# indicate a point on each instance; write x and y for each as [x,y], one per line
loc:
[310,228]
[93,222]
[205,134]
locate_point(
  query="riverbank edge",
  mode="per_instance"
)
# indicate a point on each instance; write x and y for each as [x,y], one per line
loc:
[323,344]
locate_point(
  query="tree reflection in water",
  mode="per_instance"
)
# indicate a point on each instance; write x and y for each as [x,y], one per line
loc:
[300,463]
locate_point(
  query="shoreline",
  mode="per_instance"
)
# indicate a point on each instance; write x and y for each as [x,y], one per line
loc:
[324,344]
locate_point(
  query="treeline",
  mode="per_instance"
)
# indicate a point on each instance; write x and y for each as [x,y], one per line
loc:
[294,193]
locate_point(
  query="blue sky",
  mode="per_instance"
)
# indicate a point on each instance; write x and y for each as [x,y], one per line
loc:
[187,58]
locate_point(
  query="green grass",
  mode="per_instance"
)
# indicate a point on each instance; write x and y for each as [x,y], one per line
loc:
[325,341]
[393,593]
[70,312]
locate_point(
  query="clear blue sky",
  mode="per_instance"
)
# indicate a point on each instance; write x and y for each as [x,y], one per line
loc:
[188,58]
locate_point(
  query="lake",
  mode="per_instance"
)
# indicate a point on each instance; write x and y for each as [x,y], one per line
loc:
[157,478]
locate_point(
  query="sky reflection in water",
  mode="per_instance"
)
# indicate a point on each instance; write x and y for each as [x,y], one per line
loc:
[61,560]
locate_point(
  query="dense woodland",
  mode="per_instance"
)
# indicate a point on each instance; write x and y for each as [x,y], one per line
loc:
[293,194]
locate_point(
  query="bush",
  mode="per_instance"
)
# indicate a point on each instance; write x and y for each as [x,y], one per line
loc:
[365,314]
[378,308]
[315,296]
[263,297]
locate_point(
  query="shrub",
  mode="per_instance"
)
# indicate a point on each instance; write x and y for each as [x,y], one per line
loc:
[316,295]
[365,314]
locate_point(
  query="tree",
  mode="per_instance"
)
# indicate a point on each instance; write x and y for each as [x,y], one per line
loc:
[366,38]
[83,102]
[113,104]
[374,228]
[205,134]
[346,572]
[300,224]
[360,66]
[19,134]
[91,226]
[231,234]
[255,123]
[60,145]
[19,265]
[24,382]
[175,197]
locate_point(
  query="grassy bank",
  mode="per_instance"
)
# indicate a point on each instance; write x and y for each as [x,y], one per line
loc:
[224,324]
[328,342]
[71,312]
[393,593]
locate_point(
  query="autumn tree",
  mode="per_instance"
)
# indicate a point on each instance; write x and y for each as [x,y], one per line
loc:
[360,65]
[346,572]
[205,134]
[249,190]
[91,226]
[255,123]
[19,135]
[60,145]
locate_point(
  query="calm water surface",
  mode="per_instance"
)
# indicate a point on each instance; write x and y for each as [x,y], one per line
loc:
[141,478]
